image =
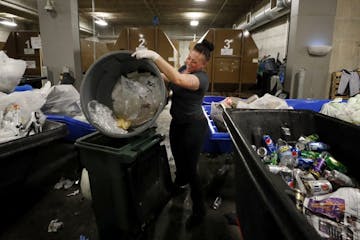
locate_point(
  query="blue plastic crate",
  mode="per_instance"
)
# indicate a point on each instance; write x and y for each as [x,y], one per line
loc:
[22,88]
[307,104]
[76,128]
[216,142]
[209,99]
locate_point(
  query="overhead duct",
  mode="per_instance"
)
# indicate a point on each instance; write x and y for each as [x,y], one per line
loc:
[265,15]
[19,7]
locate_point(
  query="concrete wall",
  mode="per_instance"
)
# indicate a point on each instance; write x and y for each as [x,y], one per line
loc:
[60,39]
[312,22]
[346,37]
[271,39]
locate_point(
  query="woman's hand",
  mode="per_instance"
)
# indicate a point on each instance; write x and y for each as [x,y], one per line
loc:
[145,53]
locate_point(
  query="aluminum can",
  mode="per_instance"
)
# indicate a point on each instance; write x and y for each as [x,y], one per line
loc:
[299,199]
[261,151]
[295,152]
[318,167]
[266,159]
[304,163]
[312,138]
[299,181]
[310,154]
[269,143]
[332,163]
[285,156]
[275,169]
[317,146]
[274,158]
[318,187]
[285,133]
[340,179]
[300,145]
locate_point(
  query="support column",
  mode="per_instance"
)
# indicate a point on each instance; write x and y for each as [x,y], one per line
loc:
[311,23]
[59,31]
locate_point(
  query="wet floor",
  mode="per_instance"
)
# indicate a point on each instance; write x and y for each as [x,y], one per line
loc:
[75,212]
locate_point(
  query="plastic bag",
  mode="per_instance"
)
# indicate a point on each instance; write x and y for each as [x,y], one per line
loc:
[269,102]
[136,99]
[17,113]
[63,100]
[349,112]
[29,101]
[103,117]
[11,71]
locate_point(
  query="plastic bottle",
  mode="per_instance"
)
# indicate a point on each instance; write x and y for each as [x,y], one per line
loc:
[332,163]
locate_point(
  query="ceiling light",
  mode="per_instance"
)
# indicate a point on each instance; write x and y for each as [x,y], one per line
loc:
[194,23]
[246,33]
[101,22]
[194,15]
[200,0]
[9,23]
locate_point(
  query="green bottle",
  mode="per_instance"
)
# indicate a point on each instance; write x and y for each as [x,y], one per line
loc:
[333,164]
[310,154]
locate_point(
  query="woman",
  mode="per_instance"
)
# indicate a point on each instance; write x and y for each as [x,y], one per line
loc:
[188,126]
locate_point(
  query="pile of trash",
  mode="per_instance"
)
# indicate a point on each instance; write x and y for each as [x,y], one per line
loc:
[135,101]
[11,71]
[347,111]
[22,114]
[267,101]
[324,192]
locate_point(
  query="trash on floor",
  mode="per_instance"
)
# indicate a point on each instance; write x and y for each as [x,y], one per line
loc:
[64,183]
[76,192]
[55,225]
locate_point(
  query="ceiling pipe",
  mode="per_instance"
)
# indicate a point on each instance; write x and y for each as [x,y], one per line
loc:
[22,8]
[217,14]
[266,15]
[85,29]
[151,9]
[19,7]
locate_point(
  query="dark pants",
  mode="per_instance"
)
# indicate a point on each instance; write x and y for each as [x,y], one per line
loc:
[186,141]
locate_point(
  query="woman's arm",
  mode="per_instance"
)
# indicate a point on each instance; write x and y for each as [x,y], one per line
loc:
[185,80]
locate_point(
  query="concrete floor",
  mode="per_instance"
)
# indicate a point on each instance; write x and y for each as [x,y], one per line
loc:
[79,221]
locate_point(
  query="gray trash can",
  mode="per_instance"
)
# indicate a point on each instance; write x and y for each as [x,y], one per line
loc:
[129,173]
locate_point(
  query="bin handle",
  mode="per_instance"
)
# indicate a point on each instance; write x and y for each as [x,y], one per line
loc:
[146,144]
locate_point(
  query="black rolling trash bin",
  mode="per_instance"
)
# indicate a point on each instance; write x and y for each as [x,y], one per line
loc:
[129,179]
[264,202]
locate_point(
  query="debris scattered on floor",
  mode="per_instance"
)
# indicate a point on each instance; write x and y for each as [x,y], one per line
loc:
[76,192]
[55,225]
[64,183]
